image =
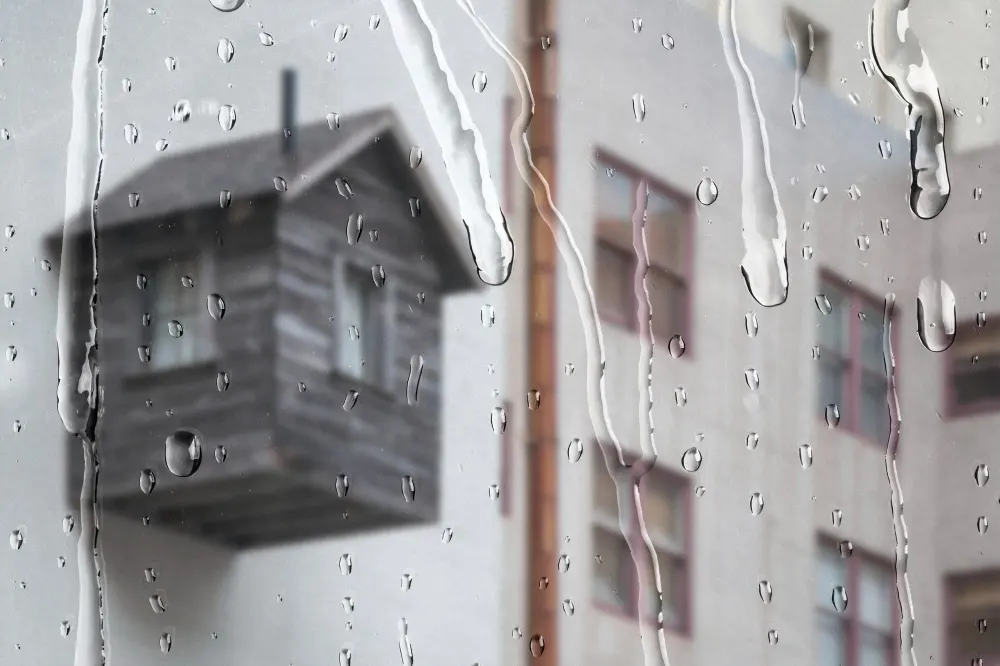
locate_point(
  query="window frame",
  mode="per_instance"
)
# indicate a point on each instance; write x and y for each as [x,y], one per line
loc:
[683,627]
[603,160]
[382,382]
[149,266]
[952,410]
[850,619]
[850,418]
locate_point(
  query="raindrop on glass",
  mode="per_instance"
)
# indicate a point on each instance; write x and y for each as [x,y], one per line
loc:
[537,645]
[220,454]
[479,81]
[68,523]
[982,524]
[823,304]
[498,420]
[563,563]
[884,149]
[216,306]
[346,564]
[344,188]
[487,315]
[227,117]
[157,603]
[534,399]
[832,415]
[227,5]
[16,540]
[175,329]
[413,379]
[750,322]
[981,475]
[805,456]
[680,396]
[638,107]
[752,379]
[691,459]
[409,489]
[756,504]
[166,641]
[64,628]
[131,134]
[226,50]
[568,607]
[345,657]
[222,381]
[147,481]
[374,22]
[266,39]
[416,156]
[340,34]
[574,450]
[667,41]
[752,440]
[350,400]
[355,227]
[333,120]
[676,346]
[764,590]
[837,517]
[839,599]
[845,548]
[171,63]
[707,192]
[819,194]
[225,199]
[772,637]
[935,314]
[182,453]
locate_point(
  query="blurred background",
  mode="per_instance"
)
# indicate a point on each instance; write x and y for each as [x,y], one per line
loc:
[383,368]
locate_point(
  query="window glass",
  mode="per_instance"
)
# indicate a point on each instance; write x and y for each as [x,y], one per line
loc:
[612,585]
[175,330]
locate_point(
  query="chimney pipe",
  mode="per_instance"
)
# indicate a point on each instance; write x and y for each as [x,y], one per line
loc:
[288,94]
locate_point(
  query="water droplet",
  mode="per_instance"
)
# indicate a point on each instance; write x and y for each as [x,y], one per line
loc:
[175,328]
[344,188]
[266,39]
[161,145]
[157,603]
[409,489]
[863,242]
[413,379]
[845,548]
[227,117]
[350,400]
[126,85]
[982,238]
[752,440]
[756,504]
[355,227]
[982,524]
[47,266]
[691,459]
[147,481]
[752,379]
[143,353]
[819,194]
[637,25]
[227,5]
[935,314]
[333,120]
[181,112]
[8,300]
[854,192]
[676,346]
[61,562]
[166,641]
[574,451]
[534,399]
[823,304]
[226,50]
[220,454]
[667,41]
[707,192]
[374,22]
[16,540]
[680,396]
[225,199]
[805,456]
[764,590]
[131,134]
[884,149]
[772,637]
[498,420]
[839,599]
[11,353]
[837,517]
[537,645]
[182,453]
[487,315]
[638,107]
[479,81]
[981,475]
[750,322]
[807,252]
[150,575]
[68,523]
[494,492]
[447,535]
[568,607]
[64,628]
[171,63]
[280,184]
[832,415]
[216,306]
[346,564]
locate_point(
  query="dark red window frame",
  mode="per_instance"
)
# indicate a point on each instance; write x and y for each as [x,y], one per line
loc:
[628,572]
[851,617]
[952,408]
[856,372]
[630,322]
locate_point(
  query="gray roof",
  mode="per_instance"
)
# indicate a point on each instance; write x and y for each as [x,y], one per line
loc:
[247,168]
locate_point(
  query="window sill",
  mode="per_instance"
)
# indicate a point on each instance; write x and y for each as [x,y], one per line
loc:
[151,376]
[681,631]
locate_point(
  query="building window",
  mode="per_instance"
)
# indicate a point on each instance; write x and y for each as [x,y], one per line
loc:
[805,37]
[361,350]
[972,617]
[175,330]
[668,236]
[860,633]
[974,384]
[851,362]
[616,588]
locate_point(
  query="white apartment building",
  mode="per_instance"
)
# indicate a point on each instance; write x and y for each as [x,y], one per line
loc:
[464,601]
